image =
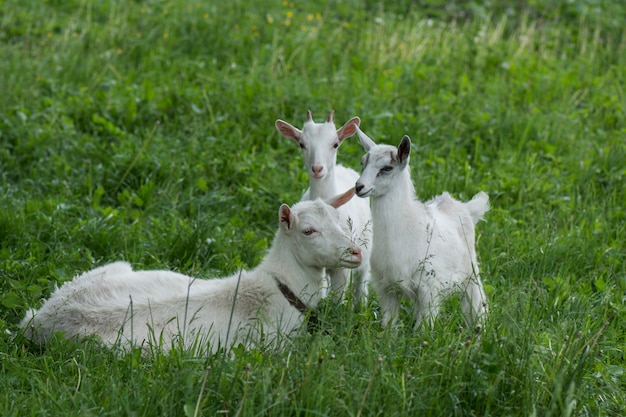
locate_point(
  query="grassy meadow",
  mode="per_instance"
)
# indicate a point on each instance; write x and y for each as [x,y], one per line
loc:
[144,131]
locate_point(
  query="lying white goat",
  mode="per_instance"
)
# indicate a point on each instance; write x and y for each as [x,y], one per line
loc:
[319,143]
[137,308]
[420,250]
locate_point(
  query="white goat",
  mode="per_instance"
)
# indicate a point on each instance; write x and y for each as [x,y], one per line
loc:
[319,143]
[420,250]
[136,308]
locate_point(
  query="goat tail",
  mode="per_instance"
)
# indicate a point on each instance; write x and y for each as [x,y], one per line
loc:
[27,323]
[478,206]
[29,316]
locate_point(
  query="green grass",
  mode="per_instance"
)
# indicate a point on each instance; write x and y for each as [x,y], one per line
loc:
[145,131]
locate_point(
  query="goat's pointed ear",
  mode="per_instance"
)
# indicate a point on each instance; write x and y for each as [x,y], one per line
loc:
[404,151]
[341,199]
[285,217]
[366,142]
[348,129]
[288,130]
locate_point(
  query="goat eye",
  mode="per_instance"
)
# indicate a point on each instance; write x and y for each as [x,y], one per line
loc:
[336,145]
[308,232]
[302,146]
[386,169]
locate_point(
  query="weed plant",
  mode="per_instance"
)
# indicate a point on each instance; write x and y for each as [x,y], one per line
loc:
[144,131]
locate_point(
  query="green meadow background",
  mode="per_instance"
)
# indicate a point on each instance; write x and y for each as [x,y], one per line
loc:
[144,131]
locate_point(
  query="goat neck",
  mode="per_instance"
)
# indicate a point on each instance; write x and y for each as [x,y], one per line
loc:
[282,262]
[398,201]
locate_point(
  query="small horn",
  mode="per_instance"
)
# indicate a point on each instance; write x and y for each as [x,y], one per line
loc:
[366,141]
[309,117]
[330,116]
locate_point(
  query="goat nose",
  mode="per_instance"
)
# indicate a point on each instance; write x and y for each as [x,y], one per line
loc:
[317,169]
[359,187]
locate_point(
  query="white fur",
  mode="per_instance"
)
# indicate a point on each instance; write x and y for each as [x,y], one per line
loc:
[319,143]
[140,308]
[422,251]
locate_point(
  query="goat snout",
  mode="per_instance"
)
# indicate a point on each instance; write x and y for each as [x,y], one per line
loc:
[355,257]
[351,257]
[360,189]
[316,170]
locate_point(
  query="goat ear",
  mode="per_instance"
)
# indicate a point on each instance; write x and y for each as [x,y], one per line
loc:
[366,142]
[288,130]
[348,129]
[341,199]
[285,217]
[404,151]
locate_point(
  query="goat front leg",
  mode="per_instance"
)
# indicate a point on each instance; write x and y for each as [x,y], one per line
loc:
[338,282]
[359,287]
[389,300]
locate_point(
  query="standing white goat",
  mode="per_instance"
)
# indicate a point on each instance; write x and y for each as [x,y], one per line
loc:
[420,250]
[135,308]
[319,143]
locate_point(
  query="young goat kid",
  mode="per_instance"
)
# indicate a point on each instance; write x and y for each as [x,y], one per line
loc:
[137,308]
[319,143]
[420,250]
